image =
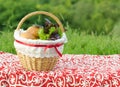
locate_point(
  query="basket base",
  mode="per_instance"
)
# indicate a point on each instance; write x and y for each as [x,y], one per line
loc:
[37,64]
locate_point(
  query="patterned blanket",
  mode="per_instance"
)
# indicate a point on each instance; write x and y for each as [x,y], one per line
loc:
[70,71]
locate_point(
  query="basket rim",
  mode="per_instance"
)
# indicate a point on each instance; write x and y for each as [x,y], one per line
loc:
[17,36]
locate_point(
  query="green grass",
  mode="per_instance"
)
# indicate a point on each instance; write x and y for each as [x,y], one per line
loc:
[77,43]
[91,44]
[7,42]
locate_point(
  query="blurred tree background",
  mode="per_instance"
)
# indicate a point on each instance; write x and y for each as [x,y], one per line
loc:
[90,16]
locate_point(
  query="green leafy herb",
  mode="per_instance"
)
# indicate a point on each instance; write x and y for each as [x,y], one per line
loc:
[42,35]
[50,31]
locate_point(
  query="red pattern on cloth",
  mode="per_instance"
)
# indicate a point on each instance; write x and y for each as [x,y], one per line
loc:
[70,71]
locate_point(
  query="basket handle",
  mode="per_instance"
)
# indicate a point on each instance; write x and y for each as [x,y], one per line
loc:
[40,12]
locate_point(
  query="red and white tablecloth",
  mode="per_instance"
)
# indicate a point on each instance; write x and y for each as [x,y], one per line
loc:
[70,71]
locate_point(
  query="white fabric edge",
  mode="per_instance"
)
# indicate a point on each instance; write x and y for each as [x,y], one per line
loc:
[17,33]
[35,51]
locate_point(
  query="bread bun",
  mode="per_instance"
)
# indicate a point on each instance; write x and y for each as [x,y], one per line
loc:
[34,30]
[27,35]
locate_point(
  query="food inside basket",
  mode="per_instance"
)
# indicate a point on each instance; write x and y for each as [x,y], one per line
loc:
[31,32]
[48,31]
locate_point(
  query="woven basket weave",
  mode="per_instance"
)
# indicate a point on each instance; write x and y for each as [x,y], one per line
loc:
[38,64]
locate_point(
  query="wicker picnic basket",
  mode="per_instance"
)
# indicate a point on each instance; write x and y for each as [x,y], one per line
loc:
[39,55]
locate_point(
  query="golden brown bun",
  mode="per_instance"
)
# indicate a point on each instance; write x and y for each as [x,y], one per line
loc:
[33,30]
[28,35]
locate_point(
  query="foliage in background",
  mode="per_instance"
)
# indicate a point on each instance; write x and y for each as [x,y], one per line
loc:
[92,16]
[12,11]
[97,16]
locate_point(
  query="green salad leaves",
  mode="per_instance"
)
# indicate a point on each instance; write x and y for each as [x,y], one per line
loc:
[50,31]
